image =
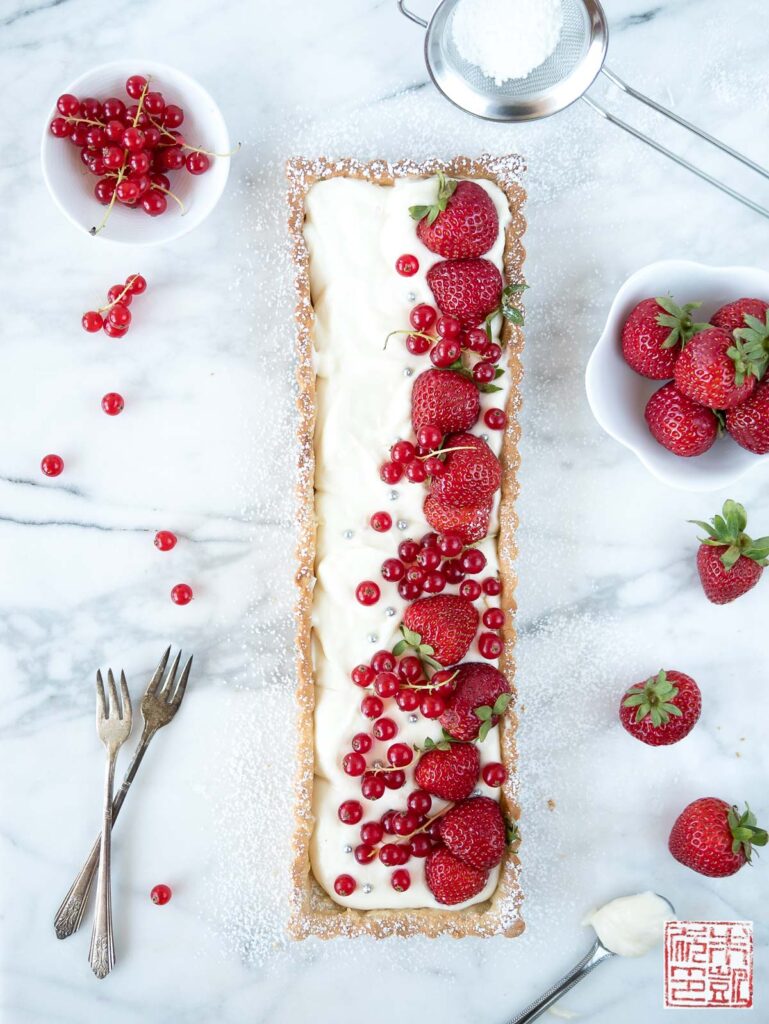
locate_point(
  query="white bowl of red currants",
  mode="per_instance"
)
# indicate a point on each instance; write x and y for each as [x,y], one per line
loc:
[136,152]
[680,374]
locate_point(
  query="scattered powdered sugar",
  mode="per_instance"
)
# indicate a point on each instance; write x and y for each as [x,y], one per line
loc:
[507,38]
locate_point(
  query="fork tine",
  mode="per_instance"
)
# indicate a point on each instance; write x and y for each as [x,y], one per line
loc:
[182,685]
[126,698]
[169,683]
[153,684]
[101,702]
[114,706]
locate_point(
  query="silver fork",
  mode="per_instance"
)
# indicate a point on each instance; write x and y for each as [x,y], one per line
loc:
[113,724]
[159,705]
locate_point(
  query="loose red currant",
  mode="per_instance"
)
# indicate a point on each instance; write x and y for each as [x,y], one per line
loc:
[172,116]
[381,522]
[165,540]
[493,618]
[445,352]
[495,419]
[419,802]
[472,561]
[391,472]
[402,452]
[432,706]
[52,465]
[490,645]
[354,763]
[68,105]
[386,684]
[383,661]
[112,403]
[494,774]
[422,317]
[407,265]
[350,812]
[491,586]
[453,571]
[416,472]
[410,668]
[384,729]
[450,544]
[371,833]
[420,845]
[92,321]
[344,885]
[361,743]
[160,894]
[417,345]
[181,594]
[135,85]
[408,551]
[399,755]
[363,675]
[372,787]
[395,779]
[371,707]
[434,582]
[407,700]
[367,592]
[393,570]
[449,327]
[198,163]
[400,880]
[471,589]
[483,372]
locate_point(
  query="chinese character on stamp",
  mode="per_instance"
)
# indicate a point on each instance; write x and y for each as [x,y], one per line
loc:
[708,964]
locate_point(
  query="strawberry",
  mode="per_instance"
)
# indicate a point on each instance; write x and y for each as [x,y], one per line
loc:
[713,838]
[717,370]
[450,880]
[446,622]
[474,830]
[449,771]
[444,399]
[654,333]
[472,472]
[480,696]
[467,289]
[731,317]
[679,424]
[463,221]
[730,563]
[749,422]
[471,522]
[661,710]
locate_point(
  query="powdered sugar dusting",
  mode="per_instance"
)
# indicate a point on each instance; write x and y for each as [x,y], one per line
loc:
[507,38]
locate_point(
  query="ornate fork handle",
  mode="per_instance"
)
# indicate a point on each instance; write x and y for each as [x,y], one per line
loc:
[101,955]
[69,916]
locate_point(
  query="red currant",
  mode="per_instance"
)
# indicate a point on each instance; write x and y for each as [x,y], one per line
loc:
[371,833]
[429,437]
[399,755]
[112,403]
[390,855]
[495,419]
[434,466]
[453,571]
[391,472]
[371,707]
[490,645]
[402,452]
[429,558]
[113,332]
[471,589]
[445,352]
[491,586]
[408,551]
[364,853]
[381,522]
[114,130]
[68,105]
[136,284]
[416,472]
[363,675]
[443,682]
[383,661]
[119,315]
[395,779]
[386,684]
[476,339]
[113,157]
[407,265]
[372,787]
[140,161]
[92,321]
[154,103]
[154,203]
[409,590]
[173,158]
[350,812]
[113,108]
[354,763]
[417,345]
[172,116]
[420,845]
[165,540]
[104,190]
[60,128]
[127,191]
[344,885]
[494,774]
[96,138]
[483,372]
[432,706]
[52,465]
[405,823]
[434,582]
[367,592]
[410,668]
[419,802]
[449,327]
[91,108]
[384,729]
[450,544]
[135,86]
[407,700]
[393,570]
[400,880]
[198,163]
[472,561]
[79,135]
[160,894]
[422,317]
[181,593]
[362,742]
[415,574]
[493,618]
[492,353]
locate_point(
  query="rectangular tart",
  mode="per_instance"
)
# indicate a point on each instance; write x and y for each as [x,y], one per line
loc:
[349,222]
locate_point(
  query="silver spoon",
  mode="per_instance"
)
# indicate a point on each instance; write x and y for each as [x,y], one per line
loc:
[597,954]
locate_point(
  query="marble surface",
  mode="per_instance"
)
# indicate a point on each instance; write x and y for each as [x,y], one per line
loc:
[607,588]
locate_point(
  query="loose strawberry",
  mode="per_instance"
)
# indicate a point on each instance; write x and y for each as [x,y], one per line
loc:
[749,422]
[732,316]
[444,399]
[468,289]
[462,222]
[717,370]
[480,697]
[679,424]
[449,771]
[654,334]
[713,838]
[471,522]
[474,830]
[730,563]
[446,622]
[661,710]
[450,880]
[472,472]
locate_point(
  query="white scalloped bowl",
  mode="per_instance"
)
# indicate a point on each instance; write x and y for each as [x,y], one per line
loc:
[618,395]
[71,184]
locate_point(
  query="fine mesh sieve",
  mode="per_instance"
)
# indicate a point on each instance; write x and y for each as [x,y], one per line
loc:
[564,77]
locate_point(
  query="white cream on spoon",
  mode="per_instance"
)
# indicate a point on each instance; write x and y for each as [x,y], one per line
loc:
[631,925]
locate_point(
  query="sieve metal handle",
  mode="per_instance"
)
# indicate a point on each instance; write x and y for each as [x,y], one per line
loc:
[410,14]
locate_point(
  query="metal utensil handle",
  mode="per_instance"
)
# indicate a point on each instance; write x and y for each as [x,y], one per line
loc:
[101,954]
[722,186]
[595,956]
[410,14]
[69,916]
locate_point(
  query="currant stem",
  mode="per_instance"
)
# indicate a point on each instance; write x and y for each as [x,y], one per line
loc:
[168,192]
[443,451]
[126,289]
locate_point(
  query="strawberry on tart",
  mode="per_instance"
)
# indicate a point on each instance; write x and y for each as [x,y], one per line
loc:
[409,338]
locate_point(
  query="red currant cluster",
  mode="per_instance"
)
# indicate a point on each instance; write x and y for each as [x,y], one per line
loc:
[405,680]
[114,318]
[448,342]
[130,148]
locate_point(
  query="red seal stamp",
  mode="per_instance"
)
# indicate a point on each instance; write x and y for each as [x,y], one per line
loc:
[708,963]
